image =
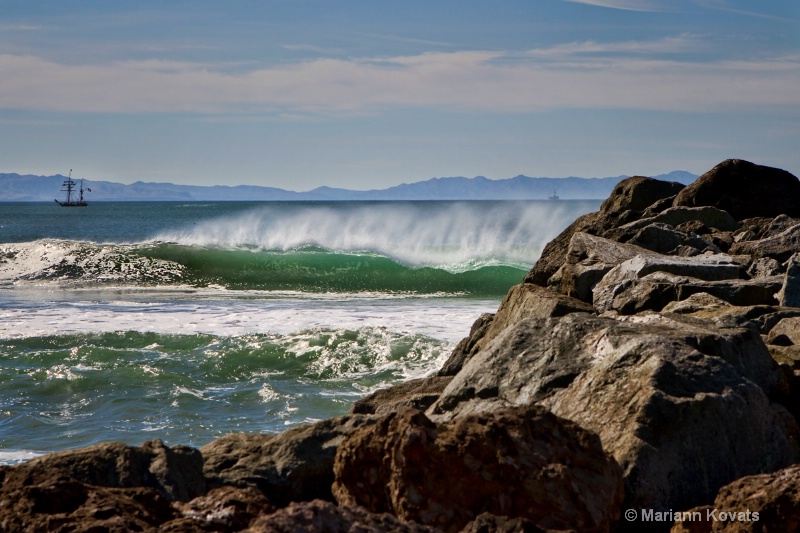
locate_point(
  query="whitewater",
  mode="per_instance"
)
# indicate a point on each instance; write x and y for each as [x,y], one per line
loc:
[187,321]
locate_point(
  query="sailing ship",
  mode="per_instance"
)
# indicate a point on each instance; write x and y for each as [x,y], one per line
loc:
[74,198]
[554,197]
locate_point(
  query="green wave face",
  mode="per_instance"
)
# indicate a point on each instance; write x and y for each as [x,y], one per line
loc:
[317,270]
[67,389]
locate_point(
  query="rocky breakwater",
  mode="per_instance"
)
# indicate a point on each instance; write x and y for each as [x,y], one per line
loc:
[644,376]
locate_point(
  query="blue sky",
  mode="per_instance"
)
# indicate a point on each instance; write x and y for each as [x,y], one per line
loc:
[369,94]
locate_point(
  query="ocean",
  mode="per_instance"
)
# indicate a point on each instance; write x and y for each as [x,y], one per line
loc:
[186,321]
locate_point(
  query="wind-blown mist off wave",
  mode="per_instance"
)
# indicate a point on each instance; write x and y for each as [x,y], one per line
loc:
[455,236]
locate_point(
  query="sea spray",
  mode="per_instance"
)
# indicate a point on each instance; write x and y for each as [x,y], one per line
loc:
[448,235]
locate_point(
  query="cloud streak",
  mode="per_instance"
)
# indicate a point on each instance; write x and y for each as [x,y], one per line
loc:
[625,5]
[572,76]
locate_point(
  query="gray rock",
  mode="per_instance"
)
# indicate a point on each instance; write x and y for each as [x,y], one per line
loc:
[667,396]
[625,204]
[655,291]
[700,301]
[588,259]
[780,247]
[709,216]
[665,239]
[623,276]
[789,295]
[788,330]
[296,465]
[764,267]
[522,301]
[466,346]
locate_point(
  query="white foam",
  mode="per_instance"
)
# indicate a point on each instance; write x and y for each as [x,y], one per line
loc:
[231,313]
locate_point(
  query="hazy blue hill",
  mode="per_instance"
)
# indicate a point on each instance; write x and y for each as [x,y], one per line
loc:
[27,188]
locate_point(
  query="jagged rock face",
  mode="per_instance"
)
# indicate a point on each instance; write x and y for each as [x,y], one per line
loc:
[520,462]
[668,397]
[744,190]
[296,465]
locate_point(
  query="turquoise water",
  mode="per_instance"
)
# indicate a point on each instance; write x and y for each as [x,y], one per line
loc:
[186,321]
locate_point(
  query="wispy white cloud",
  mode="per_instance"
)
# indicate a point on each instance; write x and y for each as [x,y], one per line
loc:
[727,6]
[627,5]
[577,75]
[313,49]
[19,27]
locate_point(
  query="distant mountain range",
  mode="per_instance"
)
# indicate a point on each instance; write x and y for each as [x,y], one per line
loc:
[18,188]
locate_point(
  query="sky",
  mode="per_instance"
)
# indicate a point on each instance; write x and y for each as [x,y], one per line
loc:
[367,94]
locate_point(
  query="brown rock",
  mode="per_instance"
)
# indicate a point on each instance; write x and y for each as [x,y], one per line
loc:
[323,517]
[176,472]
[744,190]
[415,394]
[296,465]
[222,509]
[521,462]
[766,502]
[33,500]
[489,523]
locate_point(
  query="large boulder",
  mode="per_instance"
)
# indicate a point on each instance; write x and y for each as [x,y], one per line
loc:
[637,193]
[666,395]
[296,465]
[744,190]
[522,301]
[520,462]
